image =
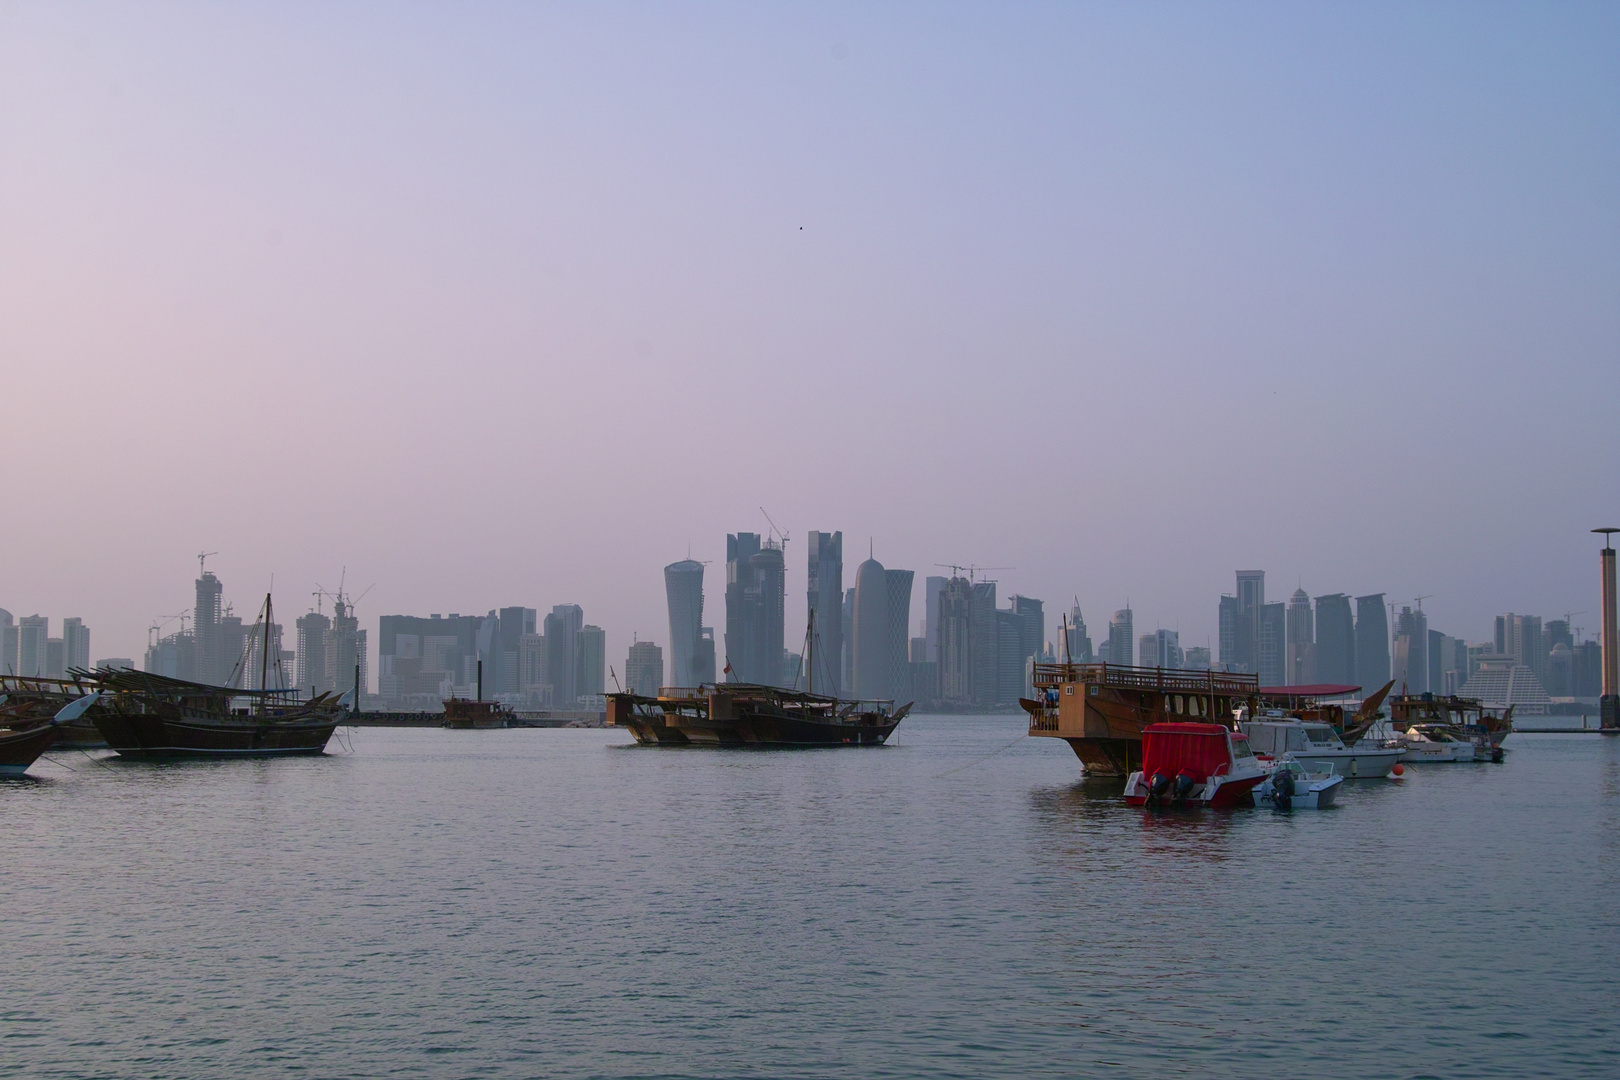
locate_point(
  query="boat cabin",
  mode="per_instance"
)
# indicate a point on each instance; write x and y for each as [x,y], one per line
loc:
[1275,736]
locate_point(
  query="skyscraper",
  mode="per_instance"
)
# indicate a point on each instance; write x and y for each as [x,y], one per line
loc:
[984,644]
[1334,658]
[8,643]
[1273,632]
[33,631]
[511,624]
[1372,643]
[213,666]
[683,587]
[562,628]
[1121,645]
[896,638]
[756,582]
[934,586]
[1228,633]
[1301,637]
[825,597]
[1251,598]
[313,677]
[1412,651]
[590,659]
[871,645]
[954,643]
[644,669]
[1079,642]
[346,659]
[75,644]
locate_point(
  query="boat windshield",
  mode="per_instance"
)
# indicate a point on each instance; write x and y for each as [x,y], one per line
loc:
[1321,735]
[1240,747]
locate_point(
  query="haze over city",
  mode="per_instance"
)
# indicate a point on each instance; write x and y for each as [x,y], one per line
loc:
[516,305]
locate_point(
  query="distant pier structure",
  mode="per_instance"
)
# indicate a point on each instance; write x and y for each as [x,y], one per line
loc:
[1609,703]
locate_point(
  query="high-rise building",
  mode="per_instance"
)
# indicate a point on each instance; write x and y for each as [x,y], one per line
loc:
[313,631]
[1587,670]
[825,597]
[756,582]
[643,669]
[8,643]
[1448,663]
[953,643]
[846,669]
[511,624]
[75,645]
[1556,631]
[1273,634]
[1079,642]
[211,663]
[683,587]
[1372,643]
[1251,599]
[534,681]
[33,633]
[1412,651]
[562,629]
[897,642]
[1560,671]
[1121,646]
[421,661]
[984,644]
[704,670]
[871,645]
[1333,657]
[1197,658]
[933,586]
[1301,637]
[55,659]
[1031,616]
[1009,664]
[346,659]
[1521,637]
[1228,633]
[265,663]
[590,656]
[1160,649]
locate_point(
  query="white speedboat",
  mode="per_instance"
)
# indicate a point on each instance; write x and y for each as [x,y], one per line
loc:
[1317,747]
[1433,743]
[1291,786]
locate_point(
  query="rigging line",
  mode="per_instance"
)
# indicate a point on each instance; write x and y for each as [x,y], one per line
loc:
[980,761]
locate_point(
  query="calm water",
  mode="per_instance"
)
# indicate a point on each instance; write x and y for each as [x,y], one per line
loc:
[555,903]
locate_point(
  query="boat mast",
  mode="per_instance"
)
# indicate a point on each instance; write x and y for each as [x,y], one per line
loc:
[264,651]
[810,653]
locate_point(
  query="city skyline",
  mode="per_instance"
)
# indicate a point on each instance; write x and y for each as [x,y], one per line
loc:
[1076,267]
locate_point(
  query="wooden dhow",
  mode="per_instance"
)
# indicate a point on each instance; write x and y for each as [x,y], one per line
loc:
[1100,710]
[153,716]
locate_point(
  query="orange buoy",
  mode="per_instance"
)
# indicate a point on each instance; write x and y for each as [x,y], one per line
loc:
[1398,769]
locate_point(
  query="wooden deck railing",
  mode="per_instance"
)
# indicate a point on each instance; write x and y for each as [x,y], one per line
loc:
[1174,680]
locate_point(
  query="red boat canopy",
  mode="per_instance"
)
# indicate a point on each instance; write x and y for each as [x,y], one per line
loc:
[1198,749]
[1308,690]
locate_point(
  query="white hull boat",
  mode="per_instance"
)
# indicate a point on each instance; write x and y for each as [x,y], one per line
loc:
[1309,790]
[1430,745]
[1318,747]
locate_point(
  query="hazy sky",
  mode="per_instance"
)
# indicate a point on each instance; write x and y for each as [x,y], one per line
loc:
[510,304]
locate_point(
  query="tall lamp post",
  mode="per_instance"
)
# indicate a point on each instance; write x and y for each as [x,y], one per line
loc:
[1609,703]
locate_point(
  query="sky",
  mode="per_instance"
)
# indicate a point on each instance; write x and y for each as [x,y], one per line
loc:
[491,304]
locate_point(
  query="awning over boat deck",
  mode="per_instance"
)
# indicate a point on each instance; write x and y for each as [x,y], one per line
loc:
[1309,690]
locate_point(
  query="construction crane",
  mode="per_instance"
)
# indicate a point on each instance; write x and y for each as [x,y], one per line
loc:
[973,571]
[202,559]
[1419,600]
[779,532]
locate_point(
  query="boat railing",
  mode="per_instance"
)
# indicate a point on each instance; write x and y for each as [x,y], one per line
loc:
[1174,680]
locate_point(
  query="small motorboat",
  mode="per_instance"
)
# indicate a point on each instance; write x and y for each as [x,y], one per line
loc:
[22,744]
[1433,743]
[1291,786]
[1194,765]
[1277,736]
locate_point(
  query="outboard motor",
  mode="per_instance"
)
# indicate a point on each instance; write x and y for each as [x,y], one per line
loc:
[1184,786]
[1158,785]
[1282,788]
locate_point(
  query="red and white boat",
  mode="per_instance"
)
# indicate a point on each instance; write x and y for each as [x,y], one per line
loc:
[1194,765]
